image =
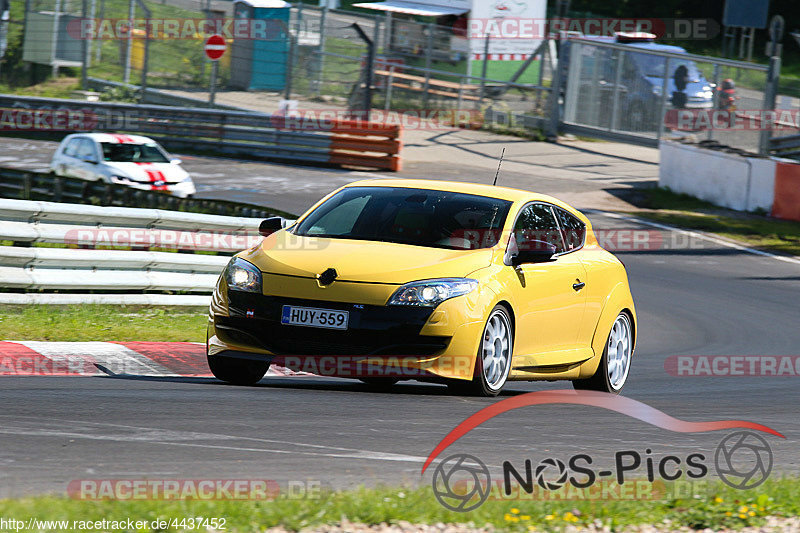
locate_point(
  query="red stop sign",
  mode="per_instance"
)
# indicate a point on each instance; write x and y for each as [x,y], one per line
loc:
[215,47]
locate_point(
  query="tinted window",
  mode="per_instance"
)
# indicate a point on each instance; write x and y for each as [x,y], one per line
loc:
[128,152]
[537,223]
[573,230]
[420,217]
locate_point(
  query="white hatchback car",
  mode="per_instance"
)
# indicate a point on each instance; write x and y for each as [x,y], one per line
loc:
[131,160]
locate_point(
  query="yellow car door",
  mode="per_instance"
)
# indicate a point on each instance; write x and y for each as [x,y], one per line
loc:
[549,296]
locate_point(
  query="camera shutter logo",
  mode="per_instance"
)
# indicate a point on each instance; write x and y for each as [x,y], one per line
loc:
[461,482]
[550,464]
[743,460]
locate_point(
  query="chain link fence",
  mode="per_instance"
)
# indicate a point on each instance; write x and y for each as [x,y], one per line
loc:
[648,92]
[322,58]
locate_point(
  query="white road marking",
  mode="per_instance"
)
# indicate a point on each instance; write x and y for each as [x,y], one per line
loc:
[115,357]
[131,434]
[700,235]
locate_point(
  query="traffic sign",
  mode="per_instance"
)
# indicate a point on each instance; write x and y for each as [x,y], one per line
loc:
[215,47]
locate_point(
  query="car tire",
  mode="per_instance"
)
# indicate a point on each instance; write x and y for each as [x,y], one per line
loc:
[493,363]
[614,367]
[237,371]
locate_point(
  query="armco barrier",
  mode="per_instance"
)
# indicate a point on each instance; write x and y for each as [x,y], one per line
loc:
[25,185]
[726,179]
[734,180]
[787,191]
[32,268]
[240,133]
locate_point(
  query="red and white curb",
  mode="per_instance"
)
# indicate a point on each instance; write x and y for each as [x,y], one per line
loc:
[173,359]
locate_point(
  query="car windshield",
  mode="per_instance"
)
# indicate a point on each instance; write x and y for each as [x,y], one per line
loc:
[136,153]
[653,66]
[419,217]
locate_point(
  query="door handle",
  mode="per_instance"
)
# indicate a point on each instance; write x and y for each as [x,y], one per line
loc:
[578,286]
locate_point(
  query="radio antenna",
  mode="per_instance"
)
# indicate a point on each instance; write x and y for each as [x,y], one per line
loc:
[502,154]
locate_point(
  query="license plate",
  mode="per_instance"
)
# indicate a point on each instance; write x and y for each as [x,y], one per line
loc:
[313,317]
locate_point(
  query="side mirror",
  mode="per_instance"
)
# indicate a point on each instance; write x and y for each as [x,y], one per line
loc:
[270,225]
[90,159]
[175,161]
[534,252]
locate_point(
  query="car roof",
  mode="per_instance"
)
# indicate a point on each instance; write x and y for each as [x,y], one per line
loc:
[117,138]
[479,189]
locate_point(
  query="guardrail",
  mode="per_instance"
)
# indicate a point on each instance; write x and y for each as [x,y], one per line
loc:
[788,146]
[26,185]
[240,133]
[140,268]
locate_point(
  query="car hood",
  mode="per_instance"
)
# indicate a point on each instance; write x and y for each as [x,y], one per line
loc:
[146,171]
[362,261]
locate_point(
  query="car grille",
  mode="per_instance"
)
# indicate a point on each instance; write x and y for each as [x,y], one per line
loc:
[374,330]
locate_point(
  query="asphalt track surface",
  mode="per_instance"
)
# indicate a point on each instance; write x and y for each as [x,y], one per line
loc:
[702,299]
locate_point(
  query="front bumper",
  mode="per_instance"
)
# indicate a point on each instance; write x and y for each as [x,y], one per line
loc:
[393,341]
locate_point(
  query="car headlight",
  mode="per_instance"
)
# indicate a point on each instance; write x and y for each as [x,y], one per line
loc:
[243,276]
[432,292]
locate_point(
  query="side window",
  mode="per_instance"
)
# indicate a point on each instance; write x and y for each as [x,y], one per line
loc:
[72,148]
[537,223]
[86,150]
[573,230]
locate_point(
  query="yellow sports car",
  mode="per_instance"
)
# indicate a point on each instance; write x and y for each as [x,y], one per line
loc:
[464,284]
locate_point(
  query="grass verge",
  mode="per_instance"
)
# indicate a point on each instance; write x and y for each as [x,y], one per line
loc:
[102,323]
[755,230]
[718,506]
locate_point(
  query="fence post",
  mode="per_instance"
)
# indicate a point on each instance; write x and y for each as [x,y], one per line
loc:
[662,109]
[715,97]
[146,58]
[321,48]
[389,86]
[428,59]
[485,68]
[617,81]
[770,92]
[369,66]
[84,50]
[26,186]
[555,93]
